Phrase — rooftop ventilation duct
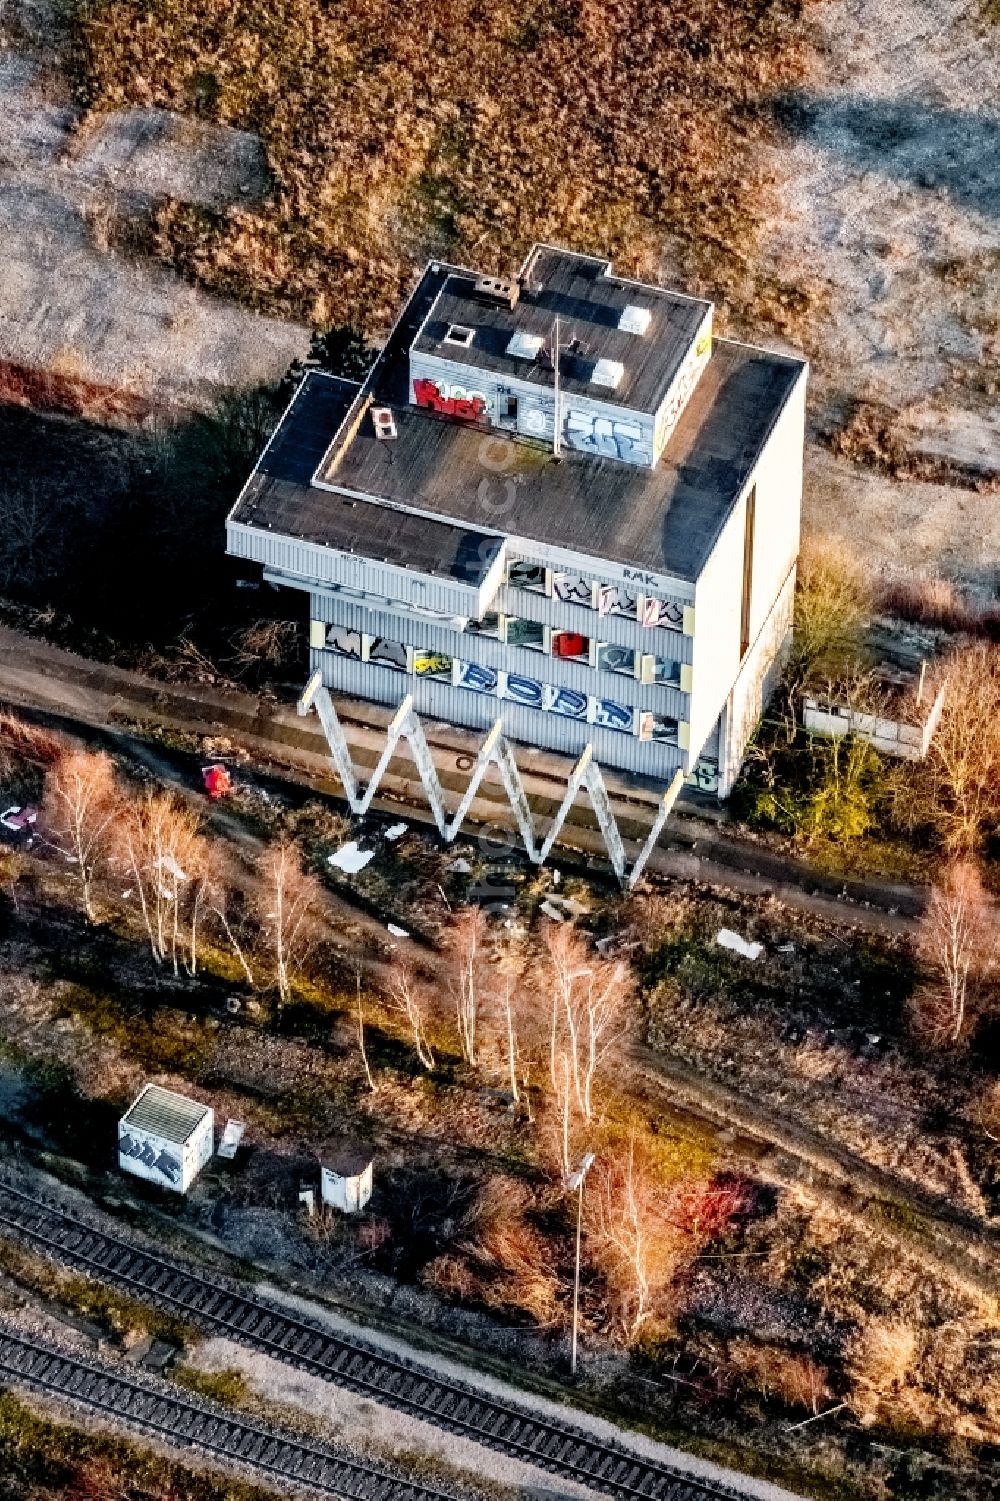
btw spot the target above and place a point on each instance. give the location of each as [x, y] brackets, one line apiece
[525, 346]
[497, 289]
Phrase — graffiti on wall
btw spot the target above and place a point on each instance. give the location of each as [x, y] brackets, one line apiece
[156, 1161]
[663, 612]
[607, 437]
[347, 643]
[572, 589]
[453, 401]
[678, 397]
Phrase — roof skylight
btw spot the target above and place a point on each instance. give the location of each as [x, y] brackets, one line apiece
[607, 373]
[634, 319]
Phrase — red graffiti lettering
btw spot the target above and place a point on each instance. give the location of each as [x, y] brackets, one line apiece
[427, 394]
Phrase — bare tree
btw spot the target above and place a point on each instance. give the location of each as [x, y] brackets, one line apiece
[465, 948]
[637, 1245]
[288, 902]
[588, 999]
[956, 942]
[217, 896]
[80, 804]
[408, 997]
[958, 784]
[159, 834]
[361, 1032]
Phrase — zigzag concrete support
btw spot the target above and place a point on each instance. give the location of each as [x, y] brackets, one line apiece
[495, 750]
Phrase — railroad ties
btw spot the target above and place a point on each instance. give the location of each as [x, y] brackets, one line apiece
[213, 1303]
[150, 1407]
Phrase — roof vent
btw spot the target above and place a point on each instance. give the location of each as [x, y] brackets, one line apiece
[497, 289]
[385, 423]
[607, 373]
[634, 320]
[525, 346]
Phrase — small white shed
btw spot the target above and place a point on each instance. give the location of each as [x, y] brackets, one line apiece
[346, 1179]
[166, 1138]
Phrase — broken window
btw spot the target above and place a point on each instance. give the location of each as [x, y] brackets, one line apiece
[533, 576]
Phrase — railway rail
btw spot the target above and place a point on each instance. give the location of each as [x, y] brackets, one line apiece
[191, 1423]
[213, 1303]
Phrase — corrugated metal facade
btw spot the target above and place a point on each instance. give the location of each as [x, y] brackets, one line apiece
[323, 565]
[659, 698]
[479, 711]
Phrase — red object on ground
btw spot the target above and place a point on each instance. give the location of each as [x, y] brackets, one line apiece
[217, 780]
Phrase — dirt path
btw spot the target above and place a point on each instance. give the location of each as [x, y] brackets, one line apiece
[938, 1235]
[81, 324]
[46, 678]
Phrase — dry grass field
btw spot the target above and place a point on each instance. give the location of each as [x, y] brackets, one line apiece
[627, 129]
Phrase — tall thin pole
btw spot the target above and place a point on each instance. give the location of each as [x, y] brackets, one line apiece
[576, 1278]
[556, 422]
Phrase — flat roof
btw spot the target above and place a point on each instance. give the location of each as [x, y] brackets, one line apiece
[280, 497]
[665, 520]
[159, 1111]
[589, 303]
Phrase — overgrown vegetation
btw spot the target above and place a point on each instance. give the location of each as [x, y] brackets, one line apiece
[51, 1461]
[460, 132]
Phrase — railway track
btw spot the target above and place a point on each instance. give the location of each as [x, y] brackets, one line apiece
[215, 1304]
[151, 1407]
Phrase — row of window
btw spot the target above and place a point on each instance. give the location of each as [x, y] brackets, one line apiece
[529, 692]
[572, 646]
[606, 599]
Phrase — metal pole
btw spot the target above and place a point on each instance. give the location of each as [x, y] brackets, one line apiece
[576, 1278]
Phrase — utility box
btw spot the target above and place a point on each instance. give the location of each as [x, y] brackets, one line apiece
[346, 1181]
[166, 1138]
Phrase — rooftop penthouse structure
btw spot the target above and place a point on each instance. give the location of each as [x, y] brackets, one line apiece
[557, 499]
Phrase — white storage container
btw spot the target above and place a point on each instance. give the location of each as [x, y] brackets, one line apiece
[166, 1138]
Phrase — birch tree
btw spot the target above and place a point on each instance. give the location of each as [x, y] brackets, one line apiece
[588, 998]
[79, 808]
[408, 998]
[957, 944]
[466, 952]
[637, 1246]
[159, 835]
[288, 903]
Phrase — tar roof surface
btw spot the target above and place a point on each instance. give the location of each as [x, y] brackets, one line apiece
[163, 1113]
[589, 303]
[665, 520]
[280, 497]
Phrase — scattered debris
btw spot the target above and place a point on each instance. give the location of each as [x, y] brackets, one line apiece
[786, 948]
[307, 1198]
[396, 832]
[231, 1138]
[234, 1005]
[351, 857]
[552, 911]
[569, 905]
[19, 819]
[460, 867]
[727, 939]
[397, 932]
[217, 781]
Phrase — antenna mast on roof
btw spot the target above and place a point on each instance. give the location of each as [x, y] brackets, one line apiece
[556, 424]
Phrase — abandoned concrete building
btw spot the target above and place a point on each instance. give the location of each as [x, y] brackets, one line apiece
[558, 499]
